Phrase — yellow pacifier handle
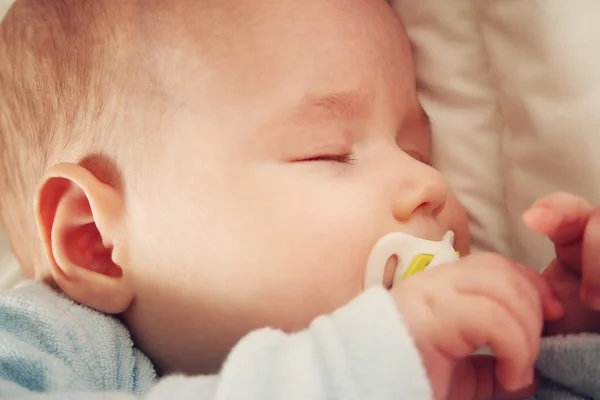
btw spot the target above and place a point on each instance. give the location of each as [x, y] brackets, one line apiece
[419, 263]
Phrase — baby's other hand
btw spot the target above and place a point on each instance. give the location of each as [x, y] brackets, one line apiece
[482, 300]
[574, 228]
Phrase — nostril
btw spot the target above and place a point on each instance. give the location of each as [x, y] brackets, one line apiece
[424, 206]
[430, 207]
[390, 270]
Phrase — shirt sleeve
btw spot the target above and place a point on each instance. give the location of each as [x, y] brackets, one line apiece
[362, 351]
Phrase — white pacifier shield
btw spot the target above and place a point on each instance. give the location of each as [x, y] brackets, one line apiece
[406, 248]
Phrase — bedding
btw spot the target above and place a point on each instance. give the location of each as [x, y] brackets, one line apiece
[513, 90]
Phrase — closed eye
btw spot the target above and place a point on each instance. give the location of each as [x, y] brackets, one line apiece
[347, 158]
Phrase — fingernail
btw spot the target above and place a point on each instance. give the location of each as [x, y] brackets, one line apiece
[533, 214]
[539, 218]
[591, 297]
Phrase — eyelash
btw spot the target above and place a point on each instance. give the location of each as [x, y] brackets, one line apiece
[347, 158]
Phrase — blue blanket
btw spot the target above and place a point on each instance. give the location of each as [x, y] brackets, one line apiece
[570, 366]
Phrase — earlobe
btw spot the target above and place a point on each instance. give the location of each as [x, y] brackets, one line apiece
[79, 220]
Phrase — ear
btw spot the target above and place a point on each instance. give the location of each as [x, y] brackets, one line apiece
[80, 223]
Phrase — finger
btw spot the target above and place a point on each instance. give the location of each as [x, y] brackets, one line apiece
[570, 256]
[590, 288]
[522, 304]
[471, 322]
[515, 294]
[481, 370]
[552, 307]
[480, 273]
[563, 218]
[560, 216]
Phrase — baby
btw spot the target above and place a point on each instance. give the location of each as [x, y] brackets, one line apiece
[216, 173]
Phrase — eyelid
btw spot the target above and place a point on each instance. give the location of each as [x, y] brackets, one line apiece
[336, 146]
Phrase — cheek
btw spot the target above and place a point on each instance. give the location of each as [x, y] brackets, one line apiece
[324, 243]
[315, 226]
[455, 217]
[306, 250]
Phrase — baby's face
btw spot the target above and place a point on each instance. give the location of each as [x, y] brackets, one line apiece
[281, 169]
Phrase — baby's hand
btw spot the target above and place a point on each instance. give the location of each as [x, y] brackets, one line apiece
[482, 300]
[574, 228]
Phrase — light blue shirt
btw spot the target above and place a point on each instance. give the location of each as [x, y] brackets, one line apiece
[52, 348]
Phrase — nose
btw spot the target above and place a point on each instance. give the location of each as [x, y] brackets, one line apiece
[421, 189]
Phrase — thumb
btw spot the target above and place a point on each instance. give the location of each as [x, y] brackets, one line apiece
[480, 372]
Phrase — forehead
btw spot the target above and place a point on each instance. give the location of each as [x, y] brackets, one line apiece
[292, 48]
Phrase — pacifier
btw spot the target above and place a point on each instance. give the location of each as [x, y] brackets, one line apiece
[414, 255]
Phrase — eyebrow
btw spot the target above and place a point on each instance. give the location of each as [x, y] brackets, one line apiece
[344, 105]
[339, 105]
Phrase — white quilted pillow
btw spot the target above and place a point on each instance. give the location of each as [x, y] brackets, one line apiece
[513, 89]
